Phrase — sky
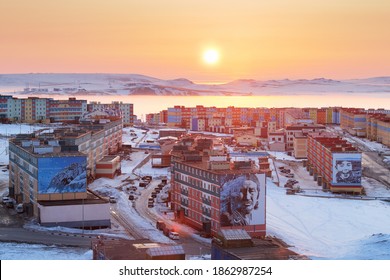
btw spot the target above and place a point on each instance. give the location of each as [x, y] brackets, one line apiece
[167, 39]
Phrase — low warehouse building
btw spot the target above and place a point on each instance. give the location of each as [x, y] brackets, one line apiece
[108, 167]
[92, 212]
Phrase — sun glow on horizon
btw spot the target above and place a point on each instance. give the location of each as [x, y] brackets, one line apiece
[211, 56]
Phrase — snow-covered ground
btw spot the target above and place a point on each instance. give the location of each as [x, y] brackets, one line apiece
[368, 144]
[329, 228]
[23, 251]
[132, 136]
[314, 223]
[137, 84]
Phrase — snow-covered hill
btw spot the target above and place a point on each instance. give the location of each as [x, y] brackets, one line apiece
[134, 84]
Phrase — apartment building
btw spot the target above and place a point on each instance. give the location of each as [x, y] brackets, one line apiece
[67, 110]
[383, 128]
[126, 109]
[296, 116]
[218, 119]
[378, 128]
[34, 109]
[152, 119]
[298, 129]
[211, 192]
[354, 120]
[277, 141]
[300, 145]
[4, 106]
[335, 164]
[56, 166]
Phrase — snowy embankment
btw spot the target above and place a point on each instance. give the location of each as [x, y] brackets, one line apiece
[22, 251]
[329, 228]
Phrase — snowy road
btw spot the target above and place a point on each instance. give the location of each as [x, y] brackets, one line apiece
[374, 169]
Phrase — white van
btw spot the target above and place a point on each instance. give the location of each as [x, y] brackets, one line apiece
[19, 208]
[174, 235]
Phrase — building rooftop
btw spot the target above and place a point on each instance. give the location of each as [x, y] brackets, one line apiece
[165, 251]
[304, 126]
[357, 111]
[335, 144]
[264, 249]
[140, 249]
[204, 153]
[238, 244]
[234, 234]
[108, 158]
[92, 198]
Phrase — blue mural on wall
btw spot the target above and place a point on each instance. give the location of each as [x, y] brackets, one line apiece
[242, 200]
[62, 174]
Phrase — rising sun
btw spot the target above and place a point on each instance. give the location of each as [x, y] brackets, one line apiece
[211, 56]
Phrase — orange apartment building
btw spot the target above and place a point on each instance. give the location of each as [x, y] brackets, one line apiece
[335, 164]
[211, 192]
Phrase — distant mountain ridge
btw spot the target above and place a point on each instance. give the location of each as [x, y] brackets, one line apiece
[136, 84]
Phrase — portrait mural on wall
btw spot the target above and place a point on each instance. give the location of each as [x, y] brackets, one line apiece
[242, 201]
[347, 170]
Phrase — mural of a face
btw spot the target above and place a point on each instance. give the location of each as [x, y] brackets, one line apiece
[344, 166]
[347, 171]
[239, 200]
[248, 199]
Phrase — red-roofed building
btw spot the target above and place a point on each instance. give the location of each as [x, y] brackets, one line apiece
[335, 164]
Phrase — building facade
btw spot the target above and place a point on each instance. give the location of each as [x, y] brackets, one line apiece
[34, 109]
[126, 109]
[292, 130]
[335, 164]
[354, 121]
[210, 192]
[56, 166]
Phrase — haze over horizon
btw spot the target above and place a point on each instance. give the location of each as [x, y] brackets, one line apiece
[203, 41]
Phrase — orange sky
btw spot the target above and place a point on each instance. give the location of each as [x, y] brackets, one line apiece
[165, 39]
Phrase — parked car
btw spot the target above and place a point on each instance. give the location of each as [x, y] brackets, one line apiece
[112, 199]
[154, 194]
[290, 191]
[131, 197]
[147, 178]
[19, 208]
[5, 199]
[150, 204]
[10, 203]
[292, 181]
[174, 235]
[290, 175]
